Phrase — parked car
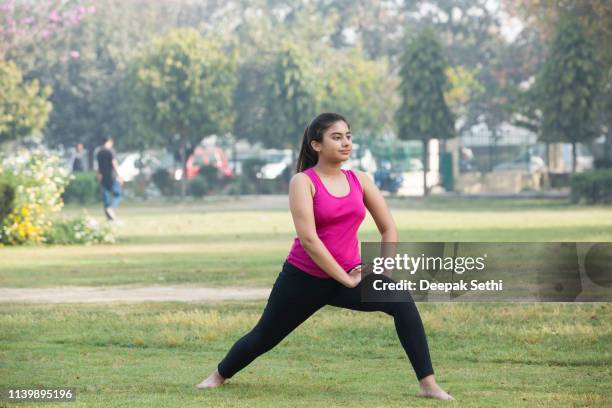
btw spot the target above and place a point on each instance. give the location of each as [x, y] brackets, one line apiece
[131, 164]
[277, 162]
[208, 156]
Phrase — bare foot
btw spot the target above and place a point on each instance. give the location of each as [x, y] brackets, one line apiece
[438, 393]
[431, 389]
[214, 380]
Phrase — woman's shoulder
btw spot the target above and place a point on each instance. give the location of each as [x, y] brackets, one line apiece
[302, 180]
[360, 176]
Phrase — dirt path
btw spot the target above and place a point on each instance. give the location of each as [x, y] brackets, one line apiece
[85, 294]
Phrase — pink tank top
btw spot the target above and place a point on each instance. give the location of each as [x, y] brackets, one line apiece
[337, 220]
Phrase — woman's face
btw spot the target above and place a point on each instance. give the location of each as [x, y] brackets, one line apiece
[337, 143]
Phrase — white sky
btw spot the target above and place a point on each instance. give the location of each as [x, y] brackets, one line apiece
[510, 26]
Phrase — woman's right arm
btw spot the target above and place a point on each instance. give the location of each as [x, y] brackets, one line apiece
[300, 203]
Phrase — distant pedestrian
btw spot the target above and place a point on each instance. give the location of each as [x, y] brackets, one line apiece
[109, 178]
[78, 161]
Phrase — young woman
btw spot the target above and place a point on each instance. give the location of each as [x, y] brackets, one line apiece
[324, 266]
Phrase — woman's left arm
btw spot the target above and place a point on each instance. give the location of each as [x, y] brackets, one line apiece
[376, 205]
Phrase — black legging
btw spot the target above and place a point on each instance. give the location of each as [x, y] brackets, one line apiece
[296, 295]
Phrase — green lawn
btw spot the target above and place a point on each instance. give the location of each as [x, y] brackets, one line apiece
[211, 245]
[151, 354]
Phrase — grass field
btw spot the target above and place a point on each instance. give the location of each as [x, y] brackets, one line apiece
[151, 354]
[213, 246]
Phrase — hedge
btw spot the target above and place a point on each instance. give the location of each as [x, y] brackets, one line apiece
[592, 186]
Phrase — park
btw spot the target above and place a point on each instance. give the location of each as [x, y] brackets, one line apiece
[191, 193]
[149, 353]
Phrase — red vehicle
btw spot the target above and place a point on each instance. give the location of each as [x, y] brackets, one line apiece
[208, 156]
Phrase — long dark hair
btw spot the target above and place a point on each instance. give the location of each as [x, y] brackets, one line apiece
[314, 131]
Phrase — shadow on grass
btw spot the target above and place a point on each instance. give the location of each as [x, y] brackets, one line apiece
[520, 233]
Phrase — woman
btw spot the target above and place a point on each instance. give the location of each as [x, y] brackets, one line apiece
[324, 266]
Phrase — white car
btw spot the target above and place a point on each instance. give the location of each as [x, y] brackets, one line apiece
[279, 160]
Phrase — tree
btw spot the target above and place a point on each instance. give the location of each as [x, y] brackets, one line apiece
[182, 90]
[341, 79]
[423, 114]
[358, 88]
[568, 87]
[24, 25]
[596, 19]
[290, 101]
[83, 59]
[24, 107]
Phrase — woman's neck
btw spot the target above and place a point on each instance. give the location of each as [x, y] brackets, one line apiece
[328, 169]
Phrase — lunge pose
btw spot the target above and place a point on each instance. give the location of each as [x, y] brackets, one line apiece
[328, 204]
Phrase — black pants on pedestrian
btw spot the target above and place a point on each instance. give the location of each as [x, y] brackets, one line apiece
[296, 296]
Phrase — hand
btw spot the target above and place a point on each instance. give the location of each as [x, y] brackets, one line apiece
[120, 180]
[355, 276]
[98, 177]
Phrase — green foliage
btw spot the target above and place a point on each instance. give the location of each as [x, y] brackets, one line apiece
[423, 113]
[24, 107]
[592, 186]
[198, 186]
[209, 173]
[39, 182]
[85, 64]
[182, 86]
[163, 181]
[567, 87]
[248, 183]
[241, 185]
[358, 88]
[464, 86]
[83, 189]
[290, 101]
[252, 166]
[79, 230]
[7, 195]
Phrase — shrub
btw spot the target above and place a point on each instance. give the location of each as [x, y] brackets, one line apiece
[39, 182]
[7, 195]
[198, 186]
[83, 189]
[592, 186]
[210, 174]
[163, 181]
[252, 166]
[79, 230]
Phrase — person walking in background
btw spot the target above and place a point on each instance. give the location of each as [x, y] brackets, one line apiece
[109, 178]
[78, 161]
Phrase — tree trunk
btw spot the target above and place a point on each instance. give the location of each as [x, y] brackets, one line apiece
[425, 165]
[490, 155]
[494, 150]
[90, 158]
[607, 156]
[183, 153]
[573, 157]
[236, 191]
[293, 161]
[234, 157]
